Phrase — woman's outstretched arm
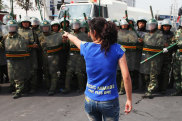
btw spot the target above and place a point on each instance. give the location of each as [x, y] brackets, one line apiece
[72, 38]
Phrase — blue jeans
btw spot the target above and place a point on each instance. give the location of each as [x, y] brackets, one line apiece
[98, 110]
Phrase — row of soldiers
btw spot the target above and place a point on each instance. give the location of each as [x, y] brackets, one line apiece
[36, 51]
[144, 42]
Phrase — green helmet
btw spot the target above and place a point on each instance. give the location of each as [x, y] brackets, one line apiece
[12, 26]
[35, 21]
[166, 22]
[123, 22]
[152, 24]
[6, 18]
[76, 24]
[45, 24]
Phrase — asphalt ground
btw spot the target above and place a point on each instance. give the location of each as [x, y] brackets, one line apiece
[70, 107]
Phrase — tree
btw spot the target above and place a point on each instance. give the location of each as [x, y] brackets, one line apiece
[27, 4]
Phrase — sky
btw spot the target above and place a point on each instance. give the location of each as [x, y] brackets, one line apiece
[159, 6]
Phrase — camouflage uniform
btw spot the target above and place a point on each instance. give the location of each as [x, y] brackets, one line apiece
[153, 43]
[76, 64]
[178, 64]
[166, 67]
[17, 53]
[31, 38]
[52, 48]
[128, 40]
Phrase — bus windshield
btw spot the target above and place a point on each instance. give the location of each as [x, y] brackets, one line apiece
[76, 11]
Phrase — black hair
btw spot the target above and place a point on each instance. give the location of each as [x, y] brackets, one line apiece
[105, 30]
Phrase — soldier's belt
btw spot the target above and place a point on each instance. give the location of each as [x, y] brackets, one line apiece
[152, 50]
[180, 50]
[17, 55]
[30, 46]
[75, 49]
[129, 47]
[54, 50]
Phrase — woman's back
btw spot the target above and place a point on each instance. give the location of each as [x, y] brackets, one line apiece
[101, 70]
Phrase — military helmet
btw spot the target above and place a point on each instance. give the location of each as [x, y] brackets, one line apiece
[45, 23]
[55, 22]
[76, 24]
[141, 19]
[25, 19]
[123, 22]
[152, 24]
[12, 26]
[116, 22]
[166, 22]
[6, 18]
[35, 21]
[131, 19]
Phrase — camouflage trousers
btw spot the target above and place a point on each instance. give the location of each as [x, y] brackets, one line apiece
[120, 81]
[76, 65]
[18, 73]
[164, 75]
[177, 72]
[149, 82]
[51, 72]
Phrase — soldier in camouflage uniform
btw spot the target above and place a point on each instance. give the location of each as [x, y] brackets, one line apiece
[29, 36]
[177, 72]
[6, 18]
[55, 26]
[35, 26]
[166, 67]
[153, 42]
[141, 30]
[17, 53]
[76, 63]
[128, 40]
[52, 47]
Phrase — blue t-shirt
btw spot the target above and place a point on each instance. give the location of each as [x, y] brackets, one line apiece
[101, 70]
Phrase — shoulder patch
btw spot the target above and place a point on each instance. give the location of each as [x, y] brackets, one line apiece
[123, 48]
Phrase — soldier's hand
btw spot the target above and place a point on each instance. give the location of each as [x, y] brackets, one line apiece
[140, 40]
[35, 46]
[165, 50]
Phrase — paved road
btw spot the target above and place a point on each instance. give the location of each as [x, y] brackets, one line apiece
[41, 107]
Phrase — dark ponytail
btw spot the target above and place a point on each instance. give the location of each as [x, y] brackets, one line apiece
[106, 31]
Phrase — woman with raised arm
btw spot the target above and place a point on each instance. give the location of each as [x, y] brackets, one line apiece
[102, 57]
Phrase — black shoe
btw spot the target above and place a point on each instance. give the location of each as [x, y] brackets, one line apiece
[65, 91]
[51, 93]
[176, 93]
[16, 95]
